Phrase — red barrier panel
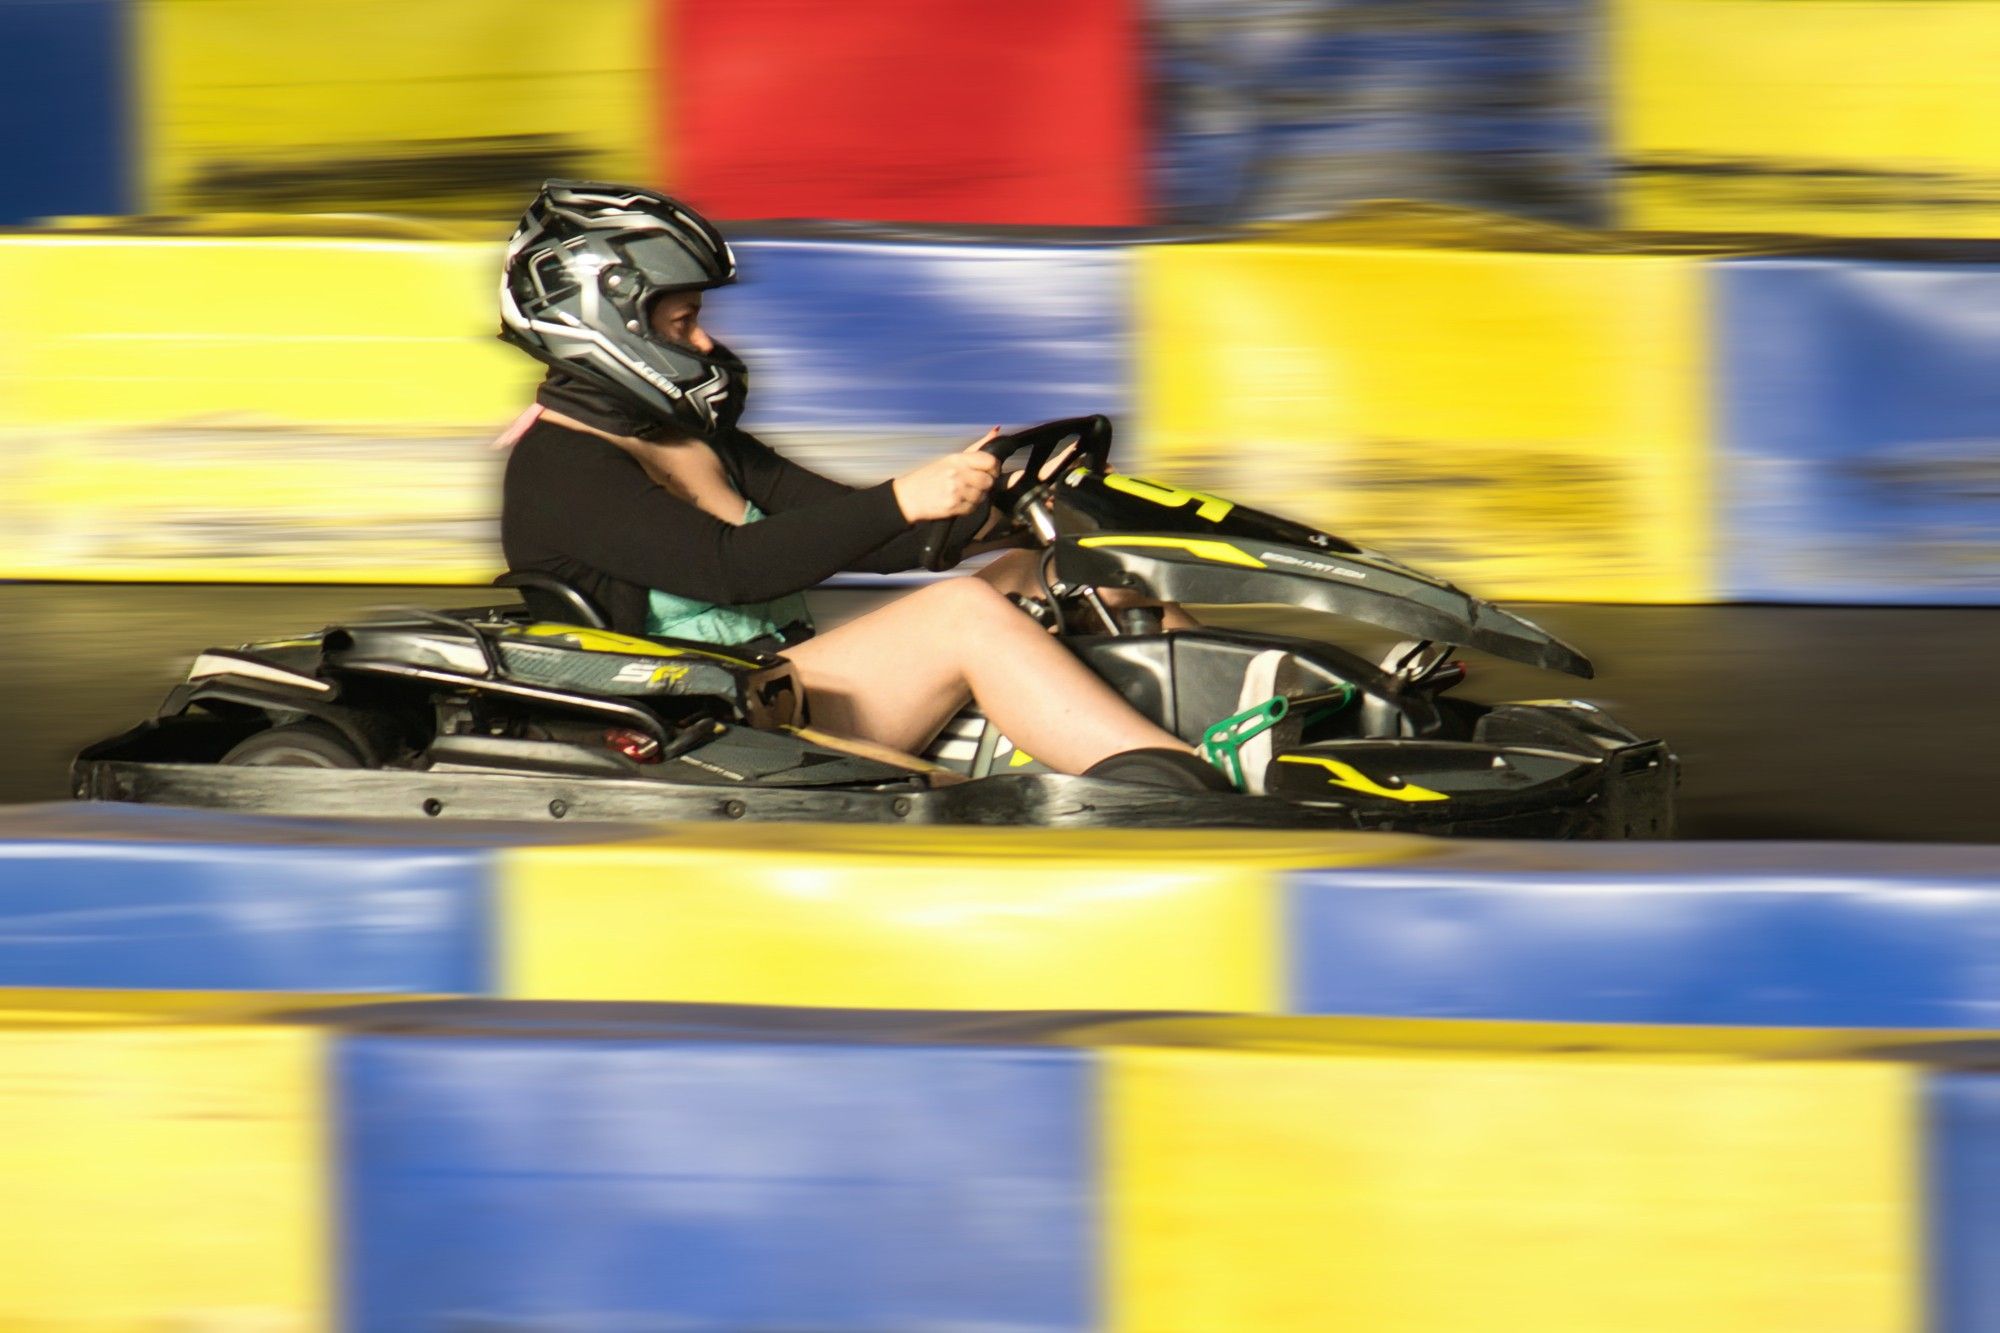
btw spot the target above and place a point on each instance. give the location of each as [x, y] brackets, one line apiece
[906, 110]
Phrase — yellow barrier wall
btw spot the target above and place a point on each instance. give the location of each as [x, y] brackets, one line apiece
[158, 1175]
[903, 918]
[1533, 425]
[454, 106]
[1840, 117]
[1430, 1194]
[248, 408]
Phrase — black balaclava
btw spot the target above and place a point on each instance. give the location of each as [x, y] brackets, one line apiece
[598, 407]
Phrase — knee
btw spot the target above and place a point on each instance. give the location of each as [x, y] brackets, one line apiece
[1013, 572]
[968, 601]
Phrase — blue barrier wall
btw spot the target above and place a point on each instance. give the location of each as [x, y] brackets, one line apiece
[1859, 415]
[713, 1177]
[1739, 934]
[866, 335]
[1963, 1178]
[155, 898]
[65, 91]
[1304, 107]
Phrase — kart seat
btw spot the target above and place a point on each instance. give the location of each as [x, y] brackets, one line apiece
[546, 594]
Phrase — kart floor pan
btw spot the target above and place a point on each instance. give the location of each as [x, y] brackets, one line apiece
[1042, 800]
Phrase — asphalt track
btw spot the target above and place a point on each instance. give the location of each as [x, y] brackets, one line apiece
[1791, 722]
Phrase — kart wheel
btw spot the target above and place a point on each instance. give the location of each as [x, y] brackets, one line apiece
[296, 745]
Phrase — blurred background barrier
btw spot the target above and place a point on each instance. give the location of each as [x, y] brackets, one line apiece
[871, 357]
[1573, 415]
[1534, 424]
[66, 94]
[1859, 429]
[266, 1162]
[437, 106]
[1827, 117]
[252, 409]
[1299, 108]
[1770, 935]
[1029, 112]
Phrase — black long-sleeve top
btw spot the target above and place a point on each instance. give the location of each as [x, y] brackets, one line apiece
[577, 506]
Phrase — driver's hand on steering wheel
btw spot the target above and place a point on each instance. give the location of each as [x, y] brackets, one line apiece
[949, 486]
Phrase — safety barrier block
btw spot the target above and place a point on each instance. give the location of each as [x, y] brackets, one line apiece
[867, 334]
[165, 417]
[111, 896]
[65, 96]
[1285, 111]
[1533, 424]
[560, 1167]
[1771, 936]
[449, 106]
[1860, 420]
[159, 1173]
[1810, 116]
[1430, 1191]
[970, 918]
[911, 112]
[298, 332]
[1962, 1173]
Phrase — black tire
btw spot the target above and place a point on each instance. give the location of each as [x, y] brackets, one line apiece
[297, 745]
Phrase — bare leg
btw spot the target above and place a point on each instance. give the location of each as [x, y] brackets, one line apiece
[1015, 572]
[896, 675]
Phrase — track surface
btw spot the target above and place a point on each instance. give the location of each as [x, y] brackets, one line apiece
[1791, 722]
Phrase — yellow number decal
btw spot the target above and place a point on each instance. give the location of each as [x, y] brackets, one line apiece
[1213, 508]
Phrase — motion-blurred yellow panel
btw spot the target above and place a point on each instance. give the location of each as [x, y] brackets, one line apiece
[163, 1177]
[427, 106]
[248, 506]
[912, 918]
[1845, 117]
[246, 408]
[1531, 424]
[1436, 1195]
[245, 331]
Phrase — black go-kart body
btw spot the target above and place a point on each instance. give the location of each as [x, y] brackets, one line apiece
[536, 711]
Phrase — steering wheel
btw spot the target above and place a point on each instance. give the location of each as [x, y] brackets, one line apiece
[1093, 450]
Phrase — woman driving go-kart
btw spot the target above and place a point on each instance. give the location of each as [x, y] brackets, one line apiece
[635, 485]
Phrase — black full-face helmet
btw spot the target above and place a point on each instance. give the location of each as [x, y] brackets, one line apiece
[582, 270]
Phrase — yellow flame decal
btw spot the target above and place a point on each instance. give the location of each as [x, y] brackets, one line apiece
[1220, 552]
[1352, 778]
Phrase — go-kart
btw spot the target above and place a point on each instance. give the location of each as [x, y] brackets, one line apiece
[536, 710]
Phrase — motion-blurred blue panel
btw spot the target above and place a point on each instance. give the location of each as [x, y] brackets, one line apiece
[1962, 1231]
[220, 915]
[1860, 422]
[65, 90]
[1302, 108]
[1773, 935]
[608, 1182]
[861, 335]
